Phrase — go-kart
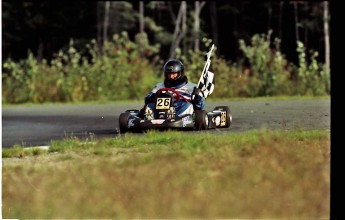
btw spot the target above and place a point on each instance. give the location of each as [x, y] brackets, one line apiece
[162, 115]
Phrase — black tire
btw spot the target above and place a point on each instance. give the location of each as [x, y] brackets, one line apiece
[228, 114]
[201, 120]
[123, 122]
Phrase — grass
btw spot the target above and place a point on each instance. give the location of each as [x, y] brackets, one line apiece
[256, 174]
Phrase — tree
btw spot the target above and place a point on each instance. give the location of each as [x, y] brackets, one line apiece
[197, 7]
[178, 35]
[114, 17]
[99, 25]
[141, 16]
[106, 20]
[214, 22]
[281, 5]
[45, 27]
[326, 19]
[295, 5]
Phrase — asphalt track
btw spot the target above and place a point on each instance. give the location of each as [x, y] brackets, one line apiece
[37, 125]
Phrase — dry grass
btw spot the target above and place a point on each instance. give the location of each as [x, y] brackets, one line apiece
[254, 175]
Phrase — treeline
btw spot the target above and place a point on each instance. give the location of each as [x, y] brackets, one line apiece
[128, 69]
[45, 27]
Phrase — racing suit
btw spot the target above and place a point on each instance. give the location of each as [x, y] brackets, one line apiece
[182, 106]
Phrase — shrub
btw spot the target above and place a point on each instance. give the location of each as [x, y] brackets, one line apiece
[312, 77]
[268, 66]
[122, 69]
[125, 69]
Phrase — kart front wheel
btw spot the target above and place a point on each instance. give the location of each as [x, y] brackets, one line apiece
[123, 122]
[201, 120]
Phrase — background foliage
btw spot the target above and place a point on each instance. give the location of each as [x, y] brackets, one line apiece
[86, 51]
[127, 69]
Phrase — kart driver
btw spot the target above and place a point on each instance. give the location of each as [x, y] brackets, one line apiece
[175, 78]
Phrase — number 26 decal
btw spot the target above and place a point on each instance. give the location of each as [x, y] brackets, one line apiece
[163, 103]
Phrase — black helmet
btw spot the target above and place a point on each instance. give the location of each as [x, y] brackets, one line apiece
[173, 66]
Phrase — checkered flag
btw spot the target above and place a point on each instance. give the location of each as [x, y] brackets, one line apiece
[206, 81]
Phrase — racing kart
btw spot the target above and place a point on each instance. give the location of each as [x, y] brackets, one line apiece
[163, 116]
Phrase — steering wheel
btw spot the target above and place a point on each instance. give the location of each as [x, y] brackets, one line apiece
[176, 94]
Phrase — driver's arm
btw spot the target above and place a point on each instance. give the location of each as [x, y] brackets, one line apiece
[150, 98]
[152, 95]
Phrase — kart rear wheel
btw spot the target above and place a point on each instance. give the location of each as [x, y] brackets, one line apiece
[228, 114]
[201, 120]
[123, 122]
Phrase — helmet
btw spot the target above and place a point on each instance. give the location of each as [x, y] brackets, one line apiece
[173, 66]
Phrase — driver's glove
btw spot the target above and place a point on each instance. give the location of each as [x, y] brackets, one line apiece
[197, 100]
[150, 98]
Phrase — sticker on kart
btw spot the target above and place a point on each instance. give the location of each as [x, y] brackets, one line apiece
[185, 121]
[157, 121]
[163, 103]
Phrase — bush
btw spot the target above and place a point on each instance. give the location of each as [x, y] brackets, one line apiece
[122, 70]
[125, 69]
[312, 77]
[269, 70]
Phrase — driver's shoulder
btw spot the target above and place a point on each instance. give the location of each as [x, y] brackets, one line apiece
[190, 86]
[160, 85]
